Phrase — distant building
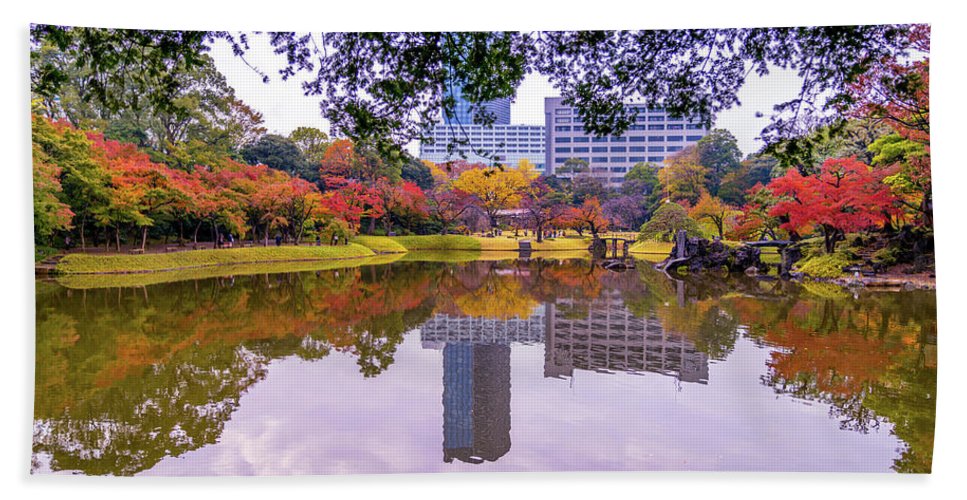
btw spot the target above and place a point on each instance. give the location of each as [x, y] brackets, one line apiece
[498, 109]
[500, 142]
[653, 137]
[504, 144]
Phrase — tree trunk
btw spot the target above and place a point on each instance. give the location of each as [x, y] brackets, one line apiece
[197, 228]
[372, 225]
[144, 237]
[830, 237]
[117, 238]
[926, 207]
[83, 242]
[540, 233]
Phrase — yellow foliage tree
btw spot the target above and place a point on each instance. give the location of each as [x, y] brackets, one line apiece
[439, 175]
[496, 189]
[720, 214]
[682, 178]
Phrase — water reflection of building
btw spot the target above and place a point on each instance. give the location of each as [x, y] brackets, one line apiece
[444, 328]
[476, 380]
[476, 402]
[601, 335]
[604, 335]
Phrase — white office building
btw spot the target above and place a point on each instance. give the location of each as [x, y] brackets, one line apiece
[653, 137]
[503, 143]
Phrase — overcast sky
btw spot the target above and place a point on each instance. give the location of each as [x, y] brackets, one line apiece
[285, 107]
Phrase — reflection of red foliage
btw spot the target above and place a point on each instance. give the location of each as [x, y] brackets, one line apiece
[336, 309]
[833, 346]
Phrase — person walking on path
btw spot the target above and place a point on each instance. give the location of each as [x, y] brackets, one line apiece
[278, 239]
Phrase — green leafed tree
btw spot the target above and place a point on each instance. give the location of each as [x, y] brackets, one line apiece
[667, 221]
[719, 153]
[280, 153]
[312, 142]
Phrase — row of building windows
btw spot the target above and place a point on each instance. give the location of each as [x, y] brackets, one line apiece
[670, 126]
[659, 138]
[567, 119]
[559, 160]
[651, 126]
[616, 149]
[428, 150]
[635, 109]
[488, 133]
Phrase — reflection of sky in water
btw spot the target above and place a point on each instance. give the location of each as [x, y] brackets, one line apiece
[323, 418]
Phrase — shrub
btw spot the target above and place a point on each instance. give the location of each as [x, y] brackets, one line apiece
[825, 266]
[667, 221]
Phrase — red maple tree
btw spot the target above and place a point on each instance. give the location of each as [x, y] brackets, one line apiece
[846, 196]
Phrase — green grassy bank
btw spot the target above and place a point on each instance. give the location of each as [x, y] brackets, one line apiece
[127, 280]
[394, 244]
[92, 263]
[189, 262]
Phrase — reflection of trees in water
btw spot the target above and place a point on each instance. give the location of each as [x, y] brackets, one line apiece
[127, 376]
[872, 358]
[175, 407]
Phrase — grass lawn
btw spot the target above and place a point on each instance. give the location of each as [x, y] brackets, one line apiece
[509, 243]
[380, 244]
[87, 263]
[651, 247]
[436, 242]
[386, 244]
[127, 280]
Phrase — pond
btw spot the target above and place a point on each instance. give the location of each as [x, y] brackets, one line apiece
[513, 365]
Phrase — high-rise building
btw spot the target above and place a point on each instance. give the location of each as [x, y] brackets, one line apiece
[504, 144]
[498, 109]
[500, 142]
[655, 135]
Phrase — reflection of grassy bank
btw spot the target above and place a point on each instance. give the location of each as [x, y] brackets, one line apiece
[119, 280]
[88, 263]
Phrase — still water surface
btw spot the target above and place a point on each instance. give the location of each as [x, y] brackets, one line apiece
[538, 365]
